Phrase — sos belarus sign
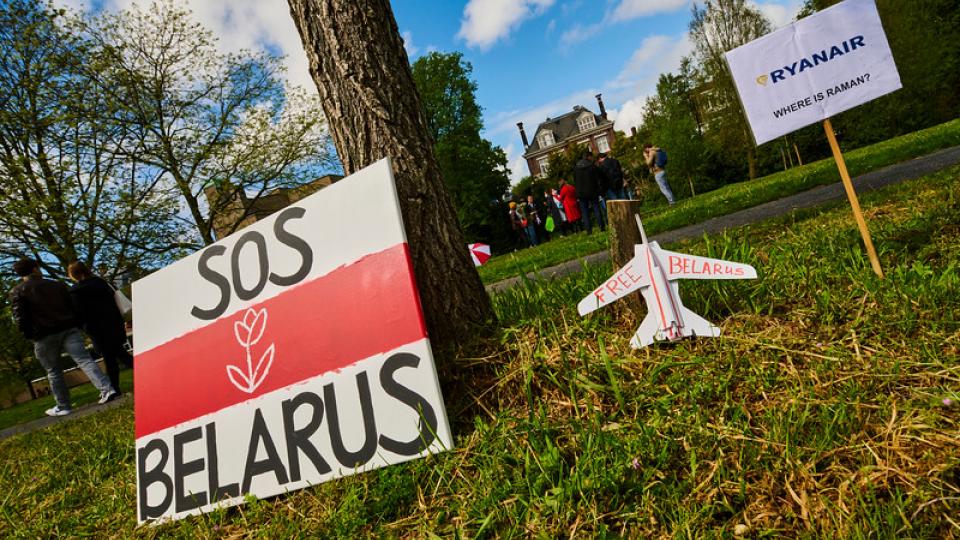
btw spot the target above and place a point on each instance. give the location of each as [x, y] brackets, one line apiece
[813, 69]
[290, 353]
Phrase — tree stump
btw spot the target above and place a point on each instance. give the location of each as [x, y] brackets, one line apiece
[624, 235]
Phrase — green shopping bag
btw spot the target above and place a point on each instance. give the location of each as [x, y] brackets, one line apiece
[549, 226]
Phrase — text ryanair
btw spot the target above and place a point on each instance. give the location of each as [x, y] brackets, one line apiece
[814, 60]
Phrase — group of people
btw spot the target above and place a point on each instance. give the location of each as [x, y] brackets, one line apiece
[578, 206]
[51, 315]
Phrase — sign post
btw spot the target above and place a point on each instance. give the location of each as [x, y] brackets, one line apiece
[852, 195]
[811, 70]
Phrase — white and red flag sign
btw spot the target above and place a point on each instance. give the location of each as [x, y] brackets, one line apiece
[288, 354]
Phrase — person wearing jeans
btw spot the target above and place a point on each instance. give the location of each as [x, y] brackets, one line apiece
[44, 314]
[656, 159]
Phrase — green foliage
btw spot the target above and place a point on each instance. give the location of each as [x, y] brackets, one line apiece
[70, 191]
[474, 170]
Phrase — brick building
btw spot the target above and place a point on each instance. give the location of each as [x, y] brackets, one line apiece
[261, 207]
[580, 126]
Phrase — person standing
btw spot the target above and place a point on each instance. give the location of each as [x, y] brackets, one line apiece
[588, 181]
[568, 198]
[533, 220]
[518, 224]
[99, 316]
[613, 173]
[656, 159]
[44, 314]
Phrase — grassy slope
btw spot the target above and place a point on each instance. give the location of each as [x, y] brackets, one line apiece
[732, 198]
[79, 396]
[819, 413]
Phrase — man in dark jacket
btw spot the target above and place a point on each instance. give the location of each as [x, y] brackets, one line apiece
[613, 173]
[43, 311]
[588, 180]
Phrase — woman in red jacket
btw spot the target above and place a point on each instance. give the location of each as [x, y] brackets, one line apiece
[568, 197]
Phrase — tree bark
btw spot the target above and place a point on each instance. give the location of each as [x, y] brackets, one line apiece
[624, 235]
[361, 70]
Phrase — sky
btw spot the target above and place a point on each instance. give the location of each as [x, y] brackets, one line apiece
[532, 59]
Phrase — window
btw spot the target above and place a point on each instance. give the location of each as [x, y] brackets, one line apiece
[546, 139]
[544, 164]
[586, 122]
[602, 144]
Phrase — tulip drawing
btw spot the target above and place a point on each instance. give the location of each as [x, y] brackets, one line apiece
[248, 332]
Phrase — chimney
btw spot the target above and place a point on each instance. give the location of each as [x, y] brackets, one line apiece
[523, 135]
[633, 131]
[603, 110]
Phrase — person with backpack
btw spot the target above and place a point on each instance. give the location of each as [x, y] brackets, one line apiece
[613, 172]
[656, 159]
[44, 314]
[96, 307]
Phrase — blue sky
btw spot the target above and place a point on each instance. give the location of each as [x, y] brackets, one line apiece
[532, 59]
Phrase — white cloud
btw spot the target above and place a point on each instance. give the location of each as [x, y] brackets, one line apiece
[412, 49]
[629, 115]
[633, 9]
[638, 78]
[240, 24]
[486, 22]
[579, 33]
[625, 10]
[780, 13]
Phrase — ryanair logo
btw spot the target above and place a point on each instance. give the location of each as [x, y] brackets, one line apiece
[812, 61]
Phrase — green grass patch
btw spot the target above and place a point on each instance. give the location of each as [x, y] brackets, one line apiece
[84, 394]
[730, 198]
[818, 413]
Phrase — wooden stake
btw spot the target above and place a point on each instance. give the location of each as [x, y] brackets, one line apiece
[797, 150]
[852, 195]
[624, 235]
[782, 155]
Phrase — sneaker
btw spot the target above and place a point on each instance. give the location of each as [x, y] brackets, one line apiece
[109, 397]
[57, 411]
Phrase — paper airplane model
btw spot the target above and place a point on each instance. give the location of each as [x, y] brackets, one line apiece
[654, 271]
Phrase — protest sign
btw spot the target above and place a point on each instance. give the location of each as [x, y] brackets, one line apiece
[808, 71]
[813, 69]
[290, 353]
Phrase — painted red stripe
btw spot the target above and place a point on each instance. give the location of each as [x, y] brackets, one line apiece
[352, 313]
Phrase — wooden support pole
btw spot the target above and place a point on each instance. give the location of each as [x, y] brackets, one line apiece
[797, 150]
[784, 156]
[624, 235]
[852, 195]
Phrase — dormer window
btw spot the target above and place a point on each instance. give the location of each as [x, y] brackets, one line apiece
[546, 139]
[586, 122]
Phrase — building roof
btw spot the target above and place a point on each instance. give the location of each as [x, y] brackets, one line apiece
[564, 127]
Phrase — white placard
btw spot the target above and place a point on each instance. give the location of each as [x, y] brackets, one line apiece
[813, 69]
[290, 353]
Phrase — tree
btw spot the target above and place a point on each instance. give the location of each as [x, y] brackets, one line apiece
[474, 170]
[17, 362]
[67, 192]
[366, 87]
[717, 27]
[217, 126]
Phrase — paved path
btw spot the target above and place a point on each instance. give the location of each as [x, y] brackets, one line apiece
[907, 170]
[78, 412]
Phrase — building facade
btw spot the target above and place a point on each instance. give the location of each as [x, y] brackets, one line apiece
[253, 210]
[578, 127]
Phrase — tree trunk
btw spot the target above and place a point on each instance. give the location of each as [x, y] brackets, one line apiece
[361, 70]
[624, 235]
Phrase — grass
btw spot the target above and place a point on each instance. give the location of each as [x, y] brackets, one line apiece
[819, 413]
[731, 198]
[84, 394]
